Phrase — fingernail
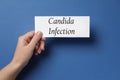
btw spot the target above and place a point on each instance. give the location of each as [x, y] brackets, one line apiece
[43, 38]
[38, 33]
[39, 51]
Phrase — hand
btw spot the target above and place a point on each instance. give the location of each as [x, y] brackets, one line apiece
[28, 44]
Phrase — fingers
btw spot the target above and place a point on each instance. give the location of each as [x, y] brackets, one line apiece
[41, 47]
[29, 35]
[36, 38]
[35, 41]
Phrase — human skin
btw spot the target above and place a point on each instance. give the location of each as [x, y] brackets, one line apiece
[28, 44]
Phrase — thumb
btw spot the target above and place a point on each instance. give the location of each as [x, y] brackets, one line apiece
[35, 39]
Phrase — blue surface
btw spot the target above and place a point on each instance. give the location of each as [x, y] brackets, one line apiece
[97, 58]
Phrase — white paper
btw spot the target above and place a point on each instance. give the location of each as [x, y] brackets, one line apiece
[63, 26]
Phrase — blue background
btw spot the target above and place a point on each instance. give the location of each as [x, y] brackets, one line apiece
[96, 58]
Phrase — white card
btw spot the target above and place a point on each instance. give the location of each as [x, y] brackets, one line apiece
[63, 26]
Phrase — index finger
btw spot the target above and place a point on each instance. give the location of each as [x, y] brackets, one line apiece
[29, 35]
